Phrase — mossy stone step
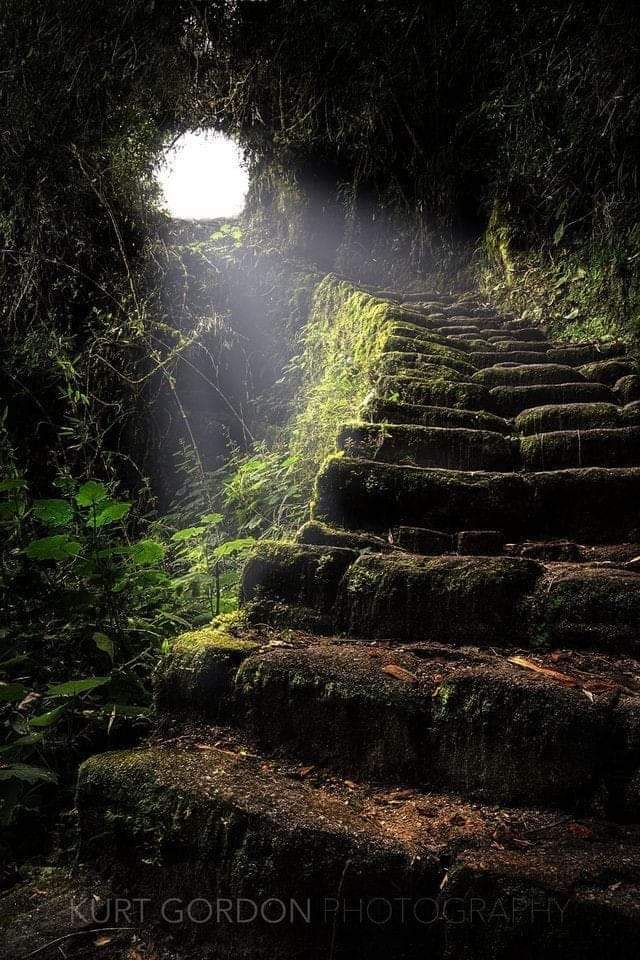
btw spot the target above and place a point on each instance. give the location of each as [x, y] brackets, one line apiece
[581, 448]
[429, 352]
[490, 601]
[489, 358]
[202, 825]
[199, 825]
[425, 367]
[197, 675]
[454, 448]
[627, 389]
[411, 331]
[320, 534]
[468, 721]
[526, 375]
[436, 393]
[578, 353]
[389, 411]
[520, 328]
[508, 345]
[510, 401]
[608, 371]
[592, 505]
[568, 416]
[295, 575]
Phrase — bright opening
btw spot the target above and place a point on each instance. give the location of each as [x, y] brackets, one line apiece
[203, 176]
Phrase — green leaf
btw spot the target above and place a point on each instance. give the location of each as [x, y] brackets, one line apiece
[59, 547]
[212, 519]
[22, 771]
[55, 513]
[49, 718]
[147, 552]
[10, 510]
[74, 688]
[27, 741]
[104, 643]
[9, 485]
[125, 710]
[559, 234]
[91, 493]
[188, 533]
[112, 512]
[230, 547]
[10, 692]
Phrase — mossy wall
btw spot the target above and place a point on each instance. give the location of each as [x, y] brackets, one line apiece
[342, 346]
[588, 289]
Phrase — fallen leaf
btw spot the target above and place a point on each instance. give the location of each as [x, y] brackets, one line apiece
[102, 941]
[544, 671]
[579, 830]
[399, 673]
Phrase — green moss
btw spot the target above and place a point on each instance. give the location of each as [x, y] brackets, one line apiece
[572, 416]
[196, 676]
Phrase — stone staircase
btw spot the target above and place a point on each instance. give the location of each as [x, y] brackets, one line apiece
[422, 737]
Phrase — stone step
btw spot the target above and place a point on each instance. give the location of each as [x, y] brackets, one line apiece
[411, 331]
[561, 730]
[403, 348]
[484, 600]
[315, 533]
[527, 375]
[568, 416]
[429, 366]
[592, 505]
[627, 389]
[489, 358]
[503, 344]
[454, 448]
[339, 870]
[389, 411]
[494, 601]
[511, 401]
[578, 353]
[438, 393]
[298, 580]
[608, 371]
[580, 448]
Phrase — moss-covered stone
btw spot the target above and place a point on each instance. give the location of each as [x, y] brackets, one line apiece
[569, 416]
[196, 675]
[527, 375]
[475, 600]
[431, 364]
[510, 401]
[470, 722]
[389, 411]
[320, 534]
[491, 358]
[203, 826]
[608, 371]
[627, 389]
[589, 606]
[506, 344]
[437, 393]
[578, 353]
[581, 448]
[453, 448]
[423, 541]
[590, 505]
[294, 575]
